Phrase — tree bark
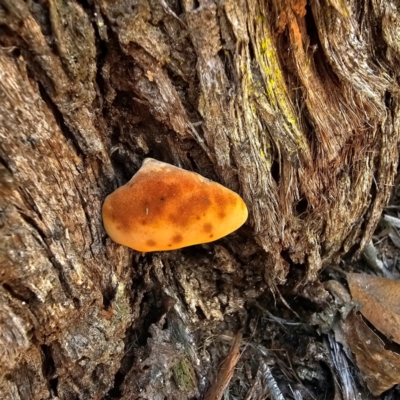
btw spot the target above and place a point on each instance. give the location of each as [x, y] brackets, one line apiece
[292, 104]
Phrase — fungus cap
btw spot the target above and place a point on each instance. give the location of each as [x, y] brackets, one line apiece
[164, 207]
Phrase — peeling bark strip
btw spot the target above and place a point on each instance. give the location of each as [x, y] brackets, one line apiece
[216, 391]
[292, 104]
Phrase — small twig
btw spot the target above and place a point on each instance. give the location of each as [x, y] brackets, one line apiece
[216, 391]
[393, 221]
[296, 394]
[370, 255]
[270, 380]
[343, 370]
[266, 373]
[274, 290]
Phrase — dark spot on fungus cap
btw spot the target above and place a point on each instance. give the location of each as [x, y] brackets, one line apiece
[177, 238]
[207, 227]
[161, 200]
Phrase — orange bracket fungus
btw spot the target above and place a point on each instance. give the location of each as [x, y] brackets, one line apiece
[164, 207]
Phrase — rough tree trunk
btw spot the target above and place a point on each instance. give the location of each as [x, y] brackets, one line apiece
[295, 106]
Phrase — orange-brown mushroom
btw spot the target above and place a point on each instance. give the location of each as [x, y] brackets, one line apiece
[164, 207]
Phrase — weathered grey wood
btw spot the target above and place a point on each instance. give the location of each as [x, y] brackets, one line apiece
[295, 107]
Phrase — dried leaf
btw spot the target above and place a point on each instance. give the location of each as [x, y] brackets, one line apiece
[380, 298]
[380, 368]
